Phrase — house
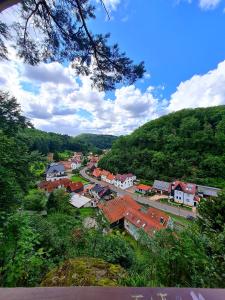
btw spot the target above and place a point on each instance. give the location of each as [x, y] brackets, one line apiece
[150, 221]
[99, 191]
[97, 173]
[50, 186]
[143, 189]
[78, 155]
[55, 171]
[110, 178]
[184, 193]
[66, 164]
[91, 167]
[75, 163]
[104, 175]
[79, 201]
[75, 187]
[207, 191]
[161, 186]
[115, 209]
[128, 214]
[124, 181]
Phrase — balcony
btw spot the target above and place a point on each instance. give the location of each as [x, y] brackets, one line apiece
[98, 293]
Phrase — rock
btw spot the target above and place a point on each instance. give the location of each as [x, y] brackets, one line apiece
[85, 271]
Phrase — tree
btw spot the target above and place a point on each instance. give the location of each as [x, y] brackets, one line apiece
[59, 201]
[63, 35]
[35, 200]
[11, 119]
[22, 260]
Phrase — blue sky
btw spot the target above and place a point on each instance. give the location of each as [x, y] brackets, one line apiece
[182, 43]
[175, 39]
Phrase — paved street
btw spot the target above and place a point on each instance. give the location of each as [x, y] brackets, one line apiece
[141, 199]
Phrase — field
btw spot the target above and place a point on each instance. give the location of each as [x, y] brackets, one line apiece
[78, 178]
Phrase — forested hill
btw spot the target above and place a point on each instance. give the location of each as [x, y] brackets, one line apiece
[188, 144]
[46, 142]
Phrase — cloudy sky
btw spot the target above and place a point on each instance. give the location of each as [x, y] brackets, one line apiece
[182, 43]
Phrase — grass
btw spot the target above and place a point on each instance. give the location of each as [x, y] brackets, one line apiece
[87, 211]
[180, 220]
[78, 178]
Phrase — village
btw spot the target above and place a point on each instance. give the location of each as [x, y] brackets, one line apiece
[122, 199]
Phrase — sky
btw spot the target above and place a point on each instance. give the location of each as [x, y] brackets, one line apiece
[182, 43]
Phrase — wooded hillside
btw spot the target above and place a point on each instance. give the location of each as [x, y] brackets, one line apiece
[188, 144]
[45, 142]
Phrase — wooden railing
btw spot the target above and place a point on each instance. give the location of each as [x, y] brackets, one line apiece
[98, 293]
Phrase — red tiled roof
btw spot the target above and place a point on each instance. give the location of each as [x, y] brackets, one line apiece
[189, 188]
[110, 176]
[143, 187]
[52, 185]
[123, 177]
[156, 215]
[142, 220]
[75, 186]
[105, 173]
[97, 172]
[114, 209]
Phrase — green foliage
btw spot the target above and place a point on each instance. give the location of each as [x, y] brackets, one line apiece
[62, 145]
[59, 201]
[22, 257]
[11, 119]
[188, 144]
[35, 200]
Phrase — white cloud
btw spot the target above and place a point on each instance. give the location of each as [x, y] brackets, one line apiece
[203, 4]
[209, 4]
[201, 90]
[55, 100]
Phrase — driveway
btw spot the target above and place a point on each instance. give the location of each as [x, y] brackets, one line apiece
[141, 199]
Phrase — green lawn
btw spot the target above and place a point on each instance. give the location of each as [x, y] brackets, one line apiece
[180, 220]
[76, 178]
[87, 211]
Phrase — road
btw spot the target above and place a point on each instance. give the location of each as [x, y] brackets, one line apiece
[141, 199]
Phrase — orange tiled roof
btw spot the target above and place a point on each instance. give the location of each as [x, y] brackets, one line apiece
[110, 176]
[97, 172]
[75, 186]
[143, 187]
[143, 221]
[157, 214]
[114, 209]
[105, 173]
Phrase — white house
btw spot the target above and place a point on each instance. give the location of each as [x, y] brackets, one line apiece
[104, 175]
[55, 171]
[184, 193]
[75, 164]
[124, 181]
[110, 179]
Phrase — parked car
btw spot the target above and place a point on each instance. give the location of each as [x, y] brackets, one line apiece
[190, 218]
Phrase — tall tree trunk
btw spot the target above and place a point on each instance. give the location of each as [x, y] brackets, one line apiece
[4, 4]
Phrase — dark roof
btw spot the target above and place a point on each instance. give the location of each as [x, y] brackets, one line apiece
[161, 185]
[208, 191]
[97, 188]
[55, 167]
